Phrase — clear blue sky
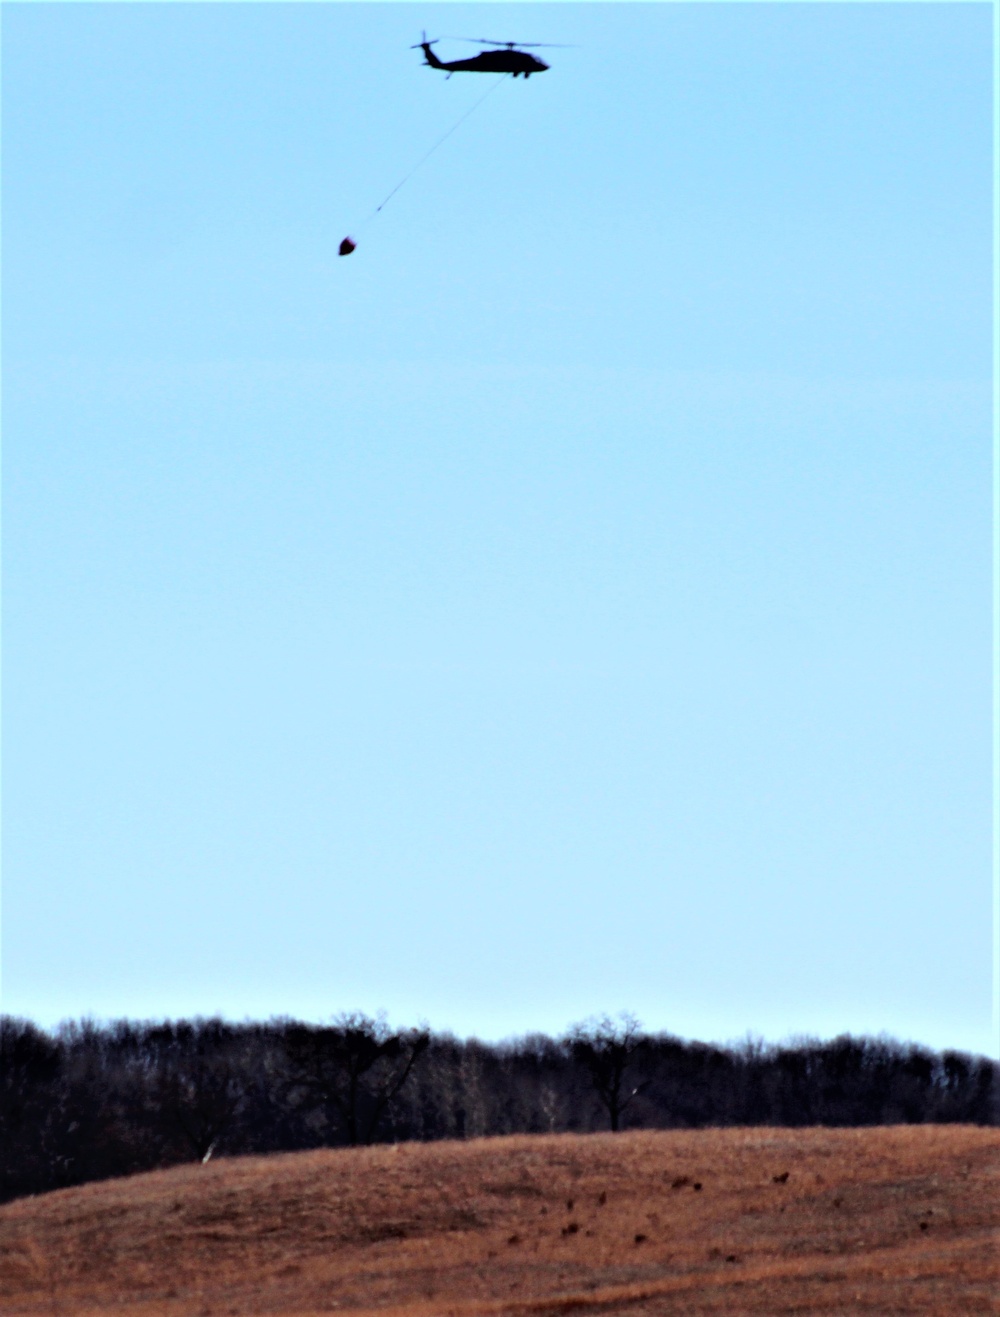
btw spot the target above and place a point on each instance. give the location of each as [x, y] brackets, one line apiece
[578, 598]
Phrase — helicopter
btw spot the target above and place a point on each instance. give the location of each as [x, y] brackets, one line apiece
[508, 57]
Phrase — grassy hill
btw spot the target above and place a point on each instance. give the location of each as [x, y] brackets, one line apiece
[879, 1220]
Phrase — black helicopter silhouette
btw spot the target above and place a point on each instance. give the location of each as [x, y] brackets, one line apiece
[508, 58]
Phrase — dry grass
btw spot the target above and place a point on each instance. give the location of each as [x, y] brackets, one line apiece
[879, 1221]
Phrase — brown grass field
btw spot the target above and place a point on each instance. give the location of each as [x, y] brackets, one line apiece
[891, 1220]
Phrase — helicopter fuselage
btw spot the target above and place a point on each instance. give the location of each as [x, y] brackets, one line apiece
[490, 61]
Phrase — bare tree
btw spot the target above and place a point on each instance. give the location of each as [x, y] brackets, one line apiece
[199, 1083]
[606, 1049]
[352, 1069]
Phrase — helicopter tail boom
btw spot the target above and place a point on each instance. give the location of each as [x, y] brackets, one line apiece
[429, 56]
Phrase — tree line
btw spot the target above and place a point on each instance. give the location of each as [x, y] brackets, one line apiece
[89, 1101]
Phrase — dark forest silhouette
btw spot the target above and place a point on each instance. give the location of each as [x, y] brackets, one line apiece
[91, 1101]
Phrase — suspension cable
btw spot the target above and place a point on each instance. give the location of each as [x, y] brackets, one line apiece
[427, 155]
[440, 142]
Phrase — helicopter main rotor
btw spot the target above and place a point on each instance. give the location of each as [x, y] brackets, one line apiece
[511, 45]
[497, 45]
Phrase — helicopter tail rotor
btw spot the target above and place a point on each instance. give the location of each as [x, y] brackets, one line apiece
[429, 57]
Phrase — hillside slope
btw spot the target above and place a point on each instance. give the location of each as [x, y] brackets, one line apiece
[887, 1220]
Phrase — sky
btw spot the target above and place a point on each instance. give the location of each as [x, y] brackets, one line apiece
[575, 600]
